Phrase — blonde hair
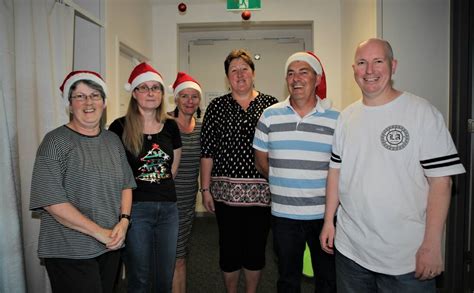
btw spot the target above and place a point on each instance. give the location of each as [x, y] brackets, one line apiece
[133, 129]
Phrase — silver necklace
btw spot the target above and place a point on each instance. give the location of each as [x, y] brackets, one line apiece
[149, 137]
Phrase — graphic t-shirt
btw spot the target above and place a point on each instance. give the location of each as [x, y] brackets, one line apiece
[152, 167]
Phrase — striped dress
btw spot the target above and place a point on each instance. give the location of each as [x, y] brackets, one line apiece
[186, 182]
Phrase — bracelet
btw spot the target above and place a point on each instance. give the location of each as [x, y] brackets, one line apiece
[203, 189]
[126, 217]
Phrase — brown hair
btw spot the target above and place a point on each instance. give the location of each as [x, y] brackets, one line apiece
[238, 53]
[133, 129]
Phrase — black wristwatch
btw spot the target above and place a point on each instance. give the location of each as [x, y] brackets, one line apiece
[126, 217]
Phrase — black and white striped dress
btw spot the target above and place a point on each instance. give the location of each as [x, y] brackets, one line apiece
[186, 183]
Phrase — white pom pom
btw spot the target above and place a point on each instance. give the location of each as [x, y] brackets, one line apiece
[326, 103]
[128, 87]
[170, 89]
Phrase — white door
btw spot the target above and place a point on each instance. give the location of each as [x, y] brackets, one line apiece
[127, 60]
[206, 64]
[126, 65]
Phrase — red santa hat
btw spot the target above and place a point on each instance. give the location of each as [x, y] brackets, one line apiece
[185, 81]
[141, 73]
[315, 63]
[78, 75]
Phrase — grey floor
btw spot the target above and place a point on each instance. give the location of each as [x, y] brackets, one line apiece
[203, 263]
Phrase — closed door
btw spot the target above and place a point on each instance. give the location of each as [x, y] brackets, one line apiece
[206, 64]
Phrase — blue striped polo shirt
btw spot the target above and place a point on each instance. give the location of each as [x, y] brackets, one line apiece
[299, 150]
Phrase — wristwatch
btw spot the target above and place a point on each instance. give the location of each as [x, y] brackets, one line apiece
[126, 217]
[203, 189]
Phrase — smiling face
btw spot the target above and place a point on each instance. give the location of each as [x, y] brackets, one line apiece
[86, 113]
[240, 76]
[187, 101]
[373, 68]
[302, 81]
[148, 95]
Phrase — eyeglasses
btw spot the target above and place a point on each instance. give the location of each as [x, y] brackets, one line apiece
[193, 97]
[81, 98]
[144, 89]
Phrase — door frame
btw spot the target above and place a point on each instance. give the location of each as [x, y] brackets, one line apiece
[225, 31]
[459, 275]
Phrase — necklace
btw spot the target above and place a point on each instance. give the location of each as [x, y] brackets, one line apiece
[149, 137]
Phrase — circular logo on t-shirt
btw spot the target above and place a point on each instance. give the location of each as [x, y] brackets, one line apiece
[395, 137]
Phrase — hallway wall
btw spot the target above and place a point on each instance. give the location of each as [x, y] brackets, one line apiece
[128, 22]
[324, 14]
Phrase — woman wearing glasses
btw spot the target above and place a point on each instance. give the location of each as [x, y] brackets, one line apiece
[82, 187]
[153, 146]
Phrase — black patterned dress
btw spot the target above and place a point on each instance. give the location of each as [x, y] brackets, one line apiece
[227, 137]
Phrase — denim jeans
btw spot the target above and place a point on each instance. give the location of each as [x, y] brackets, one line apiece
[150, 251]
[353, 278]
[289, 242]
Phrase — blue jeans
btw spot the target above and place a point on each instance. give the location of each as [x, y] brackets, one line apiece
[150, 251]
[353, 278]
[289, 242]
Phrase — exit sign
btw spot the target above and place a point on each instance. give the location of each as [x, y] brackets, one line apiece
[243, 5]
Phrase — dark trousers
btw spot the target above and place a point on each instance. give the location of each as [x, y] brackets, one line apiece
[243, 233]
[289, 242]
[353, 278]
[95, 275]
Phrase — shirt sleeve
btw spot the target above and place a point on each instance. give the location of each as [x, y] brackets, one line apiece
[47, 178]
[210, 133]
[128, 178]
[337, 145]
[175, 134]
[117, 128]
[260, 140]
[438, 154]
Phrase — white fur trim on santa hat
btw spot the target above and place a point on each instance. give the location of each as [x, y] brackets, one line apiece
[325, 103]
[187, 85]
[146, 76]
[81, 76]
[306, 57]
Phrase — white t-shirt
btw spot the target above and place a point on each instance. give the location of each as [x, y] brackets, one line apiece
[385, 154]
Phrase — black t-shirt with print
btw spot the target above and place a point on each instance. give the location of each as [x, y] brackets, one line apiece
[152, 167]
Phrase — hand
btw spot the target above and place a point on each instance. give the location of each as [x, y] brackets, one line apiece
[429, 263]
[326, 238]
[103, 235]
[118, 235]
[208, 201]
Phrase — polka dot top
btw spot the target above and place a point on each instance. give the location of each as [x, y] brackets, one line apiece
[227, 135]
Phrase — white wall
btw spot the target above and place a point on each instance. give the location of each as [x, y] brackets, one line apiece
[325, 15]
[359, 22]
[418, 31]
[129, 22]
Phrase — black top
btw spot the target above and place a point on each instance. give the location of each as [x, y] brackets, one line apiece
[152, 167]
[227, 135]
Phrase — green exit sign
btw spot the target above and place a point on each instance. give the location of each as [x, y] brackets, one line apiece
[243, 4]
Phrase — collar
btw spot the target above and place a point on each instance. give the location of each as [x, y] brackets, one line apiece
[321, 106]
